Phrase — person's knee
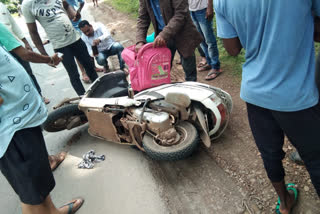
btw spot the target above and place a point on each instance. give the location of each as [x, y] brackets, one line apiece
[101, 60]
[118, 47]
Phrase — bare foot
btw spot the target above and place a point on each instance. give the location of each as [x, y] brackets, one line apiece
[213, 73]
[56, 160]
[73, 206]
[85, 79]
[203, 62]
[46, 100]
[285, 207]
[99, 69]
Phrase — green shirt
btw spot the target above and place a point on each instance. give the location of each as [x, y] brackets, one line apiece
[7, 39]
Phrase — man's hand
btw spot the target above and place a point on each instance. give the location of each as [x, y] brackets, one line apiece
[26, 44]
[138, 46]
[96, 42]
[159, 42]
[209, 13]
[1, 100]
[77, 16]
[55, 60]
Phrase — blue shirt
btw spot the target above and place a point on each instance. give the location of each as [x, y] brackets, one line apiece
[279, 72]
[76, 5]
[22, 107]
[157, 13]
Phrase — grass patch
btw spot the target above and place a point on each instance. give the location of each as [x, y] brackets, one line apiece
[126, 6]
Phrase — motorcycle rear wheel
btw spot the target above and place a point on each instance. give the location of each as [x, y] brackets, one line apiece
[60, 118]
[184, 148]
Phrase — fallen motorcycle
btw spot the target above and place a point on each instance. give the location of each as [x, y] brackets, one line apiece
[166, 122]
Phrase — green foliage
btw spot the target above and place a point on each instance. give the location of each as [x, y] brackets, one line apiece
[12, 5]
[5, 1]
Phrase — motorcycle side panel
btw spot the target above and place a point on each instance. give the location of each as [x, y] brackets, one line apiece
[101, 126]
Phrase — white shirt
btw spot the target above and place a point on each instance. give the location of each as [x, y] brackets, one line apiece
[53, 18]
[8, 21]
[195, 5]
[102, 33]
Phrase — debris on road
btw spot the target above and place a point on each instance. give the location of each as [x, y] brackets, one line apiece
[89, 159]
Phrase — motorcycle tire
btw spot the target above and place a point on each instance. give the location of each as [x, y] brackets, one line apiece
[64, 112]
[183, 149]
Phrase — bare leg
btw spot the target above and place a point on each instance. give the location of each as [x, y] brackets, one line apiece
[286, 198]
[48, 207]
[85, 77]
[56, 160]
[95, 67]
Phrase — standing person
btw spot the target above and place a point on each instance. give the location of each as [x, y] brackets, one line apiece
[95, 3]
[23, 154]
[202, 16]
[77, 6]
[173, 27]
[277, 81]
[9, 22]
[26, 56]
[54, 18]
[98, 36]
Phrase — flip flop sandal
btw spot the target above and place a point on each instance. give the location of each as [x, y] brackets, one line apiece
[201, 64]
[213, 74]
[58, 158]
[291, 187]
[204, 68]
[70, 205]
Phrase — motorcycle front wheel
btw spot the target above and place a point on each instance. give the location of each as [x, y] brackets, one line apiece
[60, 118]
[187, 144]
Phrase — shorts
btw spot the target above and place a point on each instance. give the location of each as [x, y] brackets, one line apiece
[26, 166]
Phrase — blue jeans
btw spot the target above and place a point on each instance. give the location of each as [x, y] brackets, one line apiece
[209, 46]
[115, 49]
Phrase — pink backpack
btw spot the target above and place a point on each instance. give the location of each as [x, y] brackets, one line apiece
[148, 68]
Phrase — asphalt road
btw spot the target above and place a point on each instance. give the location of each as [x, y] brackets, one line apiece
[122, 183]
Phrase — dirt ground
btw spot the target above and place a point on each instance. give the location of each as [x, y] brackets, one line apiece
[235, 152]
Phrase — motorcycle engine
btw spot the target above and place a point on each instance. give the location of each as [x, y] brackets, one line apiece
[157, 121]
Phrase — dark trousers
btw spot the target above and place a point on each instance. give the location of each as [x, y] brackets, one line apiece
[202, 54]
[188, 63]
[318, 72]
[302, 129]
[28, 69]
[79, 50]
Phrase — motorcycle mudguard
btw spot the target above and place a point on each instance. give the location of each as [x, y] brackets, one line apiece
[203, 127]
